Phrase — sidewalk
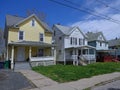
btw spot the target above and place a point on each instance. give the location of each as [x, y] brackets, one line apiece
[44, 83]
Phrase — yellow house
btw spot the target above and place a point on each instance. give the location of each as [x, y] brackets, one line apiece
[28, 39]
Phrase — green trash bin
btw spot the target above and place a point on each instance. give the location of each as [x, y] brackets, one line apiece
[7, 64]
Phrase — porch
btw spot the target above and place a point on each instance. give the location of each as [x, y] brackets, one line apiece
[83, 53]
[34, 52]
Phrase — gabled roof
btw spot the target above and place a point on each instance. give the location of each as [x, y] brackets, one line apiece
[94, 36]
[67, 30]
[12, 21]
[114, 42]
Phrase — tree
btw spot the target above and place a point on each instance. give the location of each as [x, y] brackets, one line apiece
[40, 15]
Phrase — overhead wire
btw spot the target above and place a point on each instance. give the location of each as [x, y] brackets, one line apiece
[85, 11]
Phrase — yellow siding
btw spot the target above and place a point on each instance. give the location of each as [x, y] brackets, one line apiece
[48, 38]
[31, 33]
[13, 35]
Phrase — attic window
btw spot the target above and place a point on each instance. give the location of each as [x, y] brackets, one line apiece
[33, 22]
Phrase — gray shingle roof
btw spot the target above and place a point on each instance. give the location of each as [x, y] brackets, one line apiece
[31, 43]
[64, 29]
[114, 42]
[94, 36]
[67, 30]
[12, 20]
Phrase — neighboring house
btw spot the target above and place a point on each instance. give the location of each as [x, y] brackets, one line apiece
[72, 45]
[28, 39]
[98, 41]
[114, 44]
[2, 46]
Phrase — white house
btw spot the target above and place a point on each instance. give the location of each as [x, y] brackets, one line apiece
[72, 45]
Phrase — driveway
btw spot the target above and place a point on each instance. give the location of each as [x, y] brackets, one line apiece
[10, 80]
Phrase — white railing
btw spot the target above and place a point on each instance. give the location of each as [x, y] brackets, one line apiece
[89, 57]
[44, 58]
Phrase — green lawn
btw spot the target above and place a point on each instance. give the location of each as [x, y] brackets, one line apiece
[66, 73]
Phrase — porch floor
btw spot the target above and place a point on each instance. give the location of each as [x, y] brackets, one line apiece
[22, 66]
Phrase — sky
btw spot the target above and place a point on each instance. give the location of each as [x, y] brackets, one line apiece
[94, 21]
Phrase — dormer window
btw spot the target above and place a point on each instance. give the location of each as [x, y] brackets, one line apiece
[33, 22]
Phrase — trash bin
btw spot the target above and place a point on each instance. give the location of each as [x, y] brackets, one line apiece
[7, 64]
[1, 65]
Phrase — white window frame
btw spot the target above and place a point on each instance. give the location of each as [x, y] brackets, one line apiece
[39, 37]
[23, 35]
[32, 23]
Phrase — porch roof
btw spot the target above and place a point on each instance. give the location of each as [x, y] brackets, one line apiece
[30, 43]
[109, 50]
[83, 46]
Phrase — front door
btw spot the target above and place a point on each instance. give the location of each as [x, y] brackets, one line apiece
[20, 54]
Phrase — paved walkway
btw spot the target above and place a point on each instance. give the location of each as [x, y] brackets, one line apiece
[44, 83]
[22, 66]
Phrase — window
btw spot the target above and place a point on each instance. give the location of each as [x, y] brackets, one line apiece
[54, 33]
[40, 52]
[60, 38]
[83, 41]
[75, 41]
[33, 22]
[100, 43]
[41, 37]
[21, 35]
[71, 40]
[79, 41]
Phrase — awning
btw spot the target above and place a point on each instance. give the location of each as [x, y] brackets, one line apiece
[31, 43]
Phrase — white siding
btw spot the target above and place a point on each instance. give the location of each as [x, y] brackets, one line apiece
[76, 34]
[102, 47]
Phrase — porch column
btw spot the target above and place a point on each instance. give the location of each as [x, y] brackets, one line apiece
[54, 56]
[64, 58]
[12, 58]
[74, 56]
[30, 53]
[77, 56]
[89, 58]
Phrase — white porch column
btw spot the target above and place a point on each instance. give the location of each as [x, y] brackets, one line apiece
[74, 57]
[77, 56]
[64, 58]
[89, 55]
[12, 58]
[30, 53]
[54, 56]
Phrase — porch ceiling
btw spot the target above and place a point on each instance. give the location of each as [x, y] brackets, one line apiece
[81, 47]
[31, 43]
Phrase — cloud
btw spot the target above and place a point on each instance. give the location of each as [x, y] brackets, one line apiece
[111, 30]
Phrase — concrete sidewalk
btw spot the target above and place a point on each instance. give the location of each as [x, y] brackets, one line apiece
[44, 83]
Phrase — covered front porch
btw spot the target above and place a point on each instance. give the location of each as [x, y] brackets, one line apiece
[37, 53]
[82, 53]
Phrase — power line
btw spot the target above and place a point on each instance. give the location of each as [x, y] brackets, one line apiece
[83, 10]
[92, 10]
[108, 5]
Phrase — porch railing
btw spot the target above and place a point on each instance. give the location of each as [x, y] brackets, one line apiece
[86, 57]
[44, 58]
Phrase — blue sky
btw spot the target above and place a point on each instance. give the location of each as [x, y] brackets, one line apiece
[67, 16]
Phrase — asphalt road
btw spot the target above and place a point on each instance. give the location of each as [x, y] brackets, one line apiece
[110, 86]
[10, 80]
